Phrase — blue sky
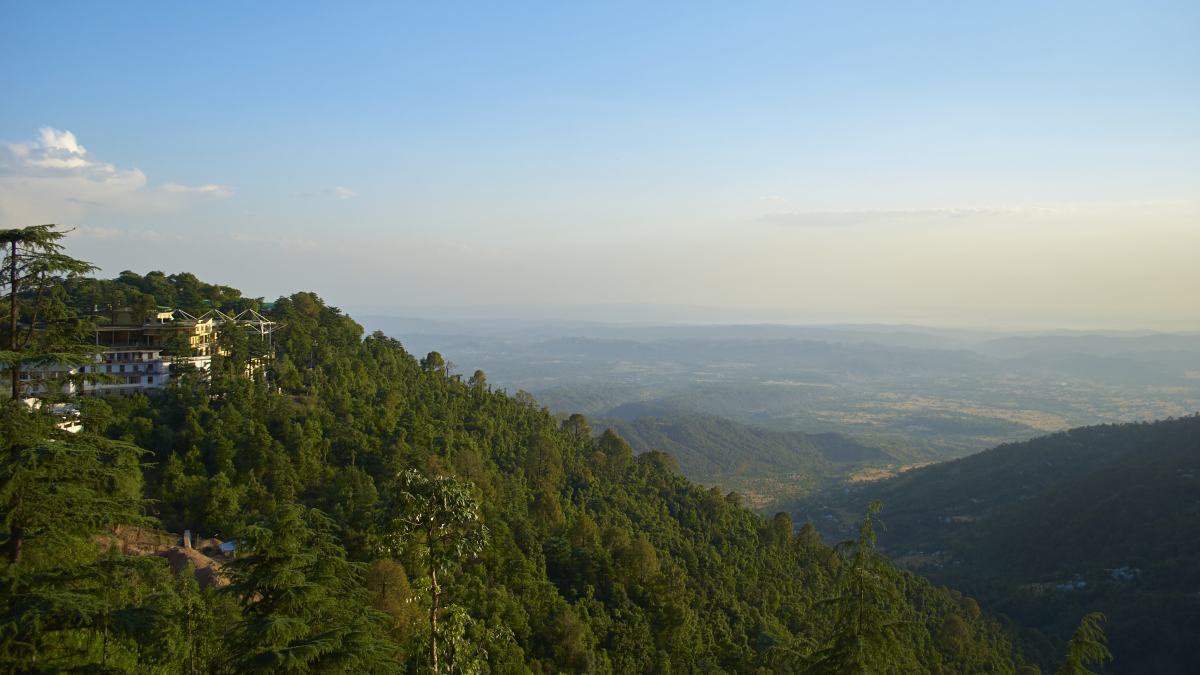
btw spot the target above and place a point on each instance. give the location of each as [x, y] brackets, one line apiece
[938, 162]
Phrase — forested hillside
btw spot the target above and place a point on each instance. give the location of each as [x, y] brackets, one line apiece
[1116, 507]
[763, 465]
[563, 552]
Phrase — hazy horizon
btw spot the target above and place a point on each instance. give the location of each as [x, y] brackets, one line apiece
[1012, 320]
[1025, 167]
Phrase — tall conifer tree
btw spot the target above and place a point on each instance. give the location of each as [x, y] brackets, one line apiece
[1086, 647]
[42, 329]
[870, 633]
[303, 603]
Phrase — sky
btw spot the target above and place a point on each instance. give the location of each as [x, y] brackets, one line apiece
[946, 163]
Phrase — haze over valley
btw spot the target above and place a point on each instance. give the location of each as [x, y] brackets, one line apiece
[672, 338]
[933, 392]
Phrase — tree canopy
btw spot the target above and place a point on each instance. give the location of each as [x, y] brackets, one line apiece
[364, 488]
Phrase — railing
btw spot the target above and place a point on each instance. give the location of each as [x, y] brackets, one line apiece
[139, 359]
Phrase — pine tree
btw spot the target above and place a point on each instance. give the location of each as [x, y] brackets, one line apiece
[124, 617]
[303, 603]
[188, 635]
[55, 484]
[88, 617]
[57, 490]
[1086, 647]
[870, 633]
[42, 328]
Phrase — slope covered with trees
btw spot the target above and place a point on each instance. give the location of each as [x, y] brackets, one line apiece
[584, 558]
[759, 463]
[1116, 507]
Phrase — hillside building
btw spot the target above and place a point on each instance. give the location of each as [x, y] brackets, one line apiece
[132, 350]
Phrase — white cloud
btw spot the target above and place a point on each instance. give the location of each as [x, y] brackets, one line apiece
[205, 191]
[55, 178]
[864, 216]
[339, 192]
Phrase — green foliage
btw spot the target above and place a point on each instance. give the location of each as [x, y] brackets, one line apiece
[543, 463]
[465, 655]
[1086, 647]
[53, 485]
[709, 448]
[62, 605]
[144, 294]
[871, 632]
[440, 515]
[1025, 518]
[188, 637]
[70, 615]
[360, 481]
[40, 329]
[178, 344]
[302, 603]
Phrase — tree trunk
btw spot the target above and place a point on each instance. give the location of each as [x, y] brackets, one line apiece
[433, 615]
[14, 543]
[12, 296]
[191, 643]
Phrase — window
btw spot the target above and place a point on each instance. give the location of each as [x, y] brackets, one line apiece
[108, 369]
[122, 368]
[150, 380]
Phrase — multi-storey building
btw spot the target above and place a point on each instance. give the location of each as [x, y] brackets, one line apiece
[133, 350]
[133, 353]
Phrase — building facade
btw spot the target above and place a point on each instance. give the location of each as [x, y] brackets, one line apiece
[133, 350]
[132, 353]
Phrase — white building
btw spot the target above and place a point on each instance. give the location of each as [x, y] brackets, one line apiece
[133, 354]
[133, 350]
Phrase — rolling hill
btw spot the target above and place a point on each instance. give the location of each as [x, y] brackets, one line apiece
[764, 465]
[1103, 518]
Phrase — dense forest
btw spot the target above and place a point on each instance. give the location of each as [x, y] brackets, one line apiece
[390, 515]
[766, 467]
[1103, 518]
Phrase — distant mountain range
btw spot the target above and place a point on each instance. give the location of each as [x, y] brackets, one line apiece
[989, 342]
